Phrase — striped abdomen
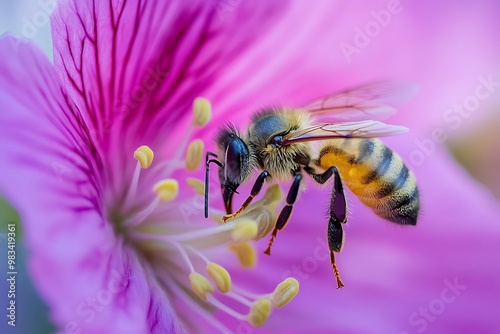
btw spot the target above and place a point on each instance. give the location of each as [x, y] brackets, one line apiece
[377, 175]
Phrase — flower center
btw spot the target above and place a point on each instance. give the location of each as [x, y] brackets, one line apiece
[177, 241]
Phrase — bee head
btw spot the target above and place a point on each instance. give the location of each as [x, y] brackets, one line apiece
[234, 156]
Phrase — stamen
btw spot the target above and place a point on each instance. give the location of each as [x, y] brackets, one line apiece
[200, 285]
[266, 221]
[199, 254]
[166, 190]
[200, 233]
[259, 313]
[247, 256]
[193, 304]
[184, 256]
[264, 211]
[285, 292]
[139, 217]
[202, 111]
[220, 276]
[194, 154]
[248, 294]
[197, 185]
[228, 310]
[133, 185]
[180, 248]
[144, 155]
[244, 230]
[240, 298]
[217, 215]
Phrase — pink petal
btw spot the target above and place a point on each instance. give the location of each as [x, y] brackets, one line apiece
[50, 174]
[423, 44]
[135, 67]
[139, 64]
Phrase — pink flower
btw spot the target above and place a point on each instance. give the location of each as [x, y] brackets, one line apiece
[113, 251]
[120, 244]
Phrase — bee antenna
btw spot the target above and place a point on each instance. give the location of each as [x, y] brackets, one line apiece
[208, 161]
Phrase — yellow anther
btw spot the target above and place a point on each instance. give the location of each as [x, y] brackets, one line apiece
[272, 196]
[266, 221]
[285, 292]
[264, 211]
[220, 276]
[166, 189]
[245, 251]
[202, 111]
[194, 154]
[260, 311]
[244, 230]
[200, 285]
[197, 185]
[144, 155]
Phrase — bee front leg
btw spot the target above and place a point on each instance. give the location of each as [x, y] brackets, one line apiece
[255, 191]
[286, 212]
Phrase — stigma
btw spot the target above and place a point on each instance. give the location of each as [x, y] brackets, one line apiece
[164, 221]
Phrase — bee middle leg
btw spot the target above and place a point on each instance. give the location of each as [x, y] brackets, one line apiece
[286, 212]
[338, 214]
[255, 191]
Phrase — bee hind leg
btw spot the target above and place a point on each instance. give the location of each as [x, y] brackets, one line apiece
[335, 243]
[286, 212]
[320, 178]
[338, 214]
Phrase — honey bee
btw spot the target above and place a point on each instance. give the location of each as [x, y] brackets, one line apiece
[278, 142]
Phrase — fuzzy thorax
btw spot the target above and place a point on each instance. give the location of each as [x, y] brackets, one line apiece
[264, 135]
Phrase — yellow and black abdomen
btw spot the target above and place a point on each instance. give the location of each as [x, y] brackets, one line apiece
[377, 175]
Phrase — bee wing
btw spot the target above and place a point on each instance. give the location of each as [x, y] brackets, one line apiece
[361, 129]
[370, 101]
